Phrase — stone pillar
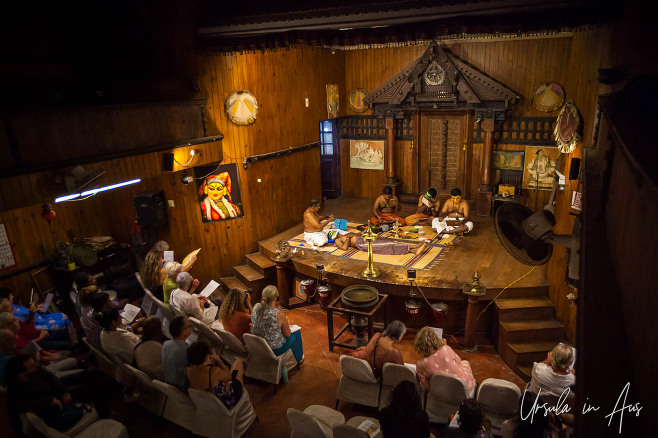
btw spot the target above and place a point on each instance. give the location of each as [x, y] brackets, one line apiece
[484, 193]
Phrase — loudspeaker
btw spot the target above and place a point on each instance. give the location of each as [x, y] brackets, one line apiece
[574, 169]
[151, 208]
[167, 162]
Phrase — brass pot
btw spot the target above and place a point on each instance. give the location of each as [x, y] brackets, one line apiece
[359, 295]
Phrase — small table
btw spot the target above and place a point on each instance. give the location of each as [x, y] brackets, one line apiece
[367, 312]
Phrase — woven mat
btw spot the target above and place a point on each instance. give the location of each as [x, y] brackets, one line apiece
[435, 249]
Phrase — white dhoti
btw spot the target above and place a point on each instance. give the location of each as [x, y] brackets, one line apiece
[441, 226]
[317, 238]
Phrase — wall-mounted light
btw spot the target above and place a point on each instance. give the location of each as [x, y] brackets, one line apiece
[95, 191]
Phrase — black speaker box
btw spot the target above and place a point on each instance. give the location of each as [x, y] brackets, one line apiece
[151, 208]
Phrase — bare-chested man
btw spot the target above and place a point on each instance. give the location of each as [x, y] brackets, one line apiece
[314, 224]
[381, 245]
[385, 207]
[428, 207]
[454, 208]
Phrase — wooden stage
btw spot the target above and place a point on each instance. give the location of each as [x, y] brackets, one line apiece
[479, 250]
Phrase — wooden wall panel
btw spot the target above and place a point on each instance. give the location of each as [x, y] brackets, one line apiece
[521, 65]
[280, 81]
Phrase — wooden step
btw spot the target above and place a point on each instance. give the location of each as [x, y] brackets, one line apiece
[259, 262]
[525, 372]
[524, 292]
[247, 274]
[516, 309]
[229, 283]
[530, 330]
[526, 353]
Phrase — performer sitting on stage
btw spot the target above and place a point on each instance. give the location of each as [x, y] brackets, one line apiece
[314, 225]
[455, 209]
[381, 348]
[428, 207]
[385, 207]
[381, 245]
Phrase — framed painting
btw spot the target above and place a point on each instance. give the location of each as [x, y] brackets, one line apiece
[332, 101]
[367, 154]
[508, 160]
[539, 167]
[219, 192]
[355, 100]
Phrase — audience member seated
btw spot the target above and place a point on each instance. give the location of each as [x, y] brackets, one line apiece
[83, 280]
[174, 352]
[152, 271]
[191, 304]
[100, 302]
[469, 420]
[172, 269]
[235, 313]
[85, 295]
[381, 349]
[115, 340]
[527, 425]
[208, 372]
[553, 374]
[439, 358]
[30, 388]
[268, 322]
[49, 339]
[404, 415]
[148, 353]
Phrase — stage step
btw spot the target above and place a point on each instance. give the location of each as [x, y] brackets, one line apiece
[247, 274]
[524, 372]
[515, 309]
[229, 283]
[525, 292]
[525, 353]
[537, 330]
[260, 263]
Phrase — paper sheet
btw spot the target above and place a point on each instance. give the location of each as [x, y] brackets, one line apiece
[210, 288]
[371, 428]
[130, 312]
[294, 328]
[438, 331]
[168, 256]
[46, 304]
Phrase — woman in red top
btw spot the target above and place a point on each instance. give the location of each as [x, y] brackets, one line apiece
[381, 348]
[235, 313]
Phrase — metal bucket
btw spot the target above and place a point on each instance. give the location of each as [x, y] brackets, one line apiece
[360, 295]
[324, 291]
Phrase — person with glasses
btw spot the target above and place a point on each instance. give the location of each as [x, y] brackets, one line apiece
[174, 353]
[268, 322]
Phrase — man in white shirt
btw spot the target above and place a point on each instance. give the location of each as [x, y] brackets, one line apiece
[192, 304]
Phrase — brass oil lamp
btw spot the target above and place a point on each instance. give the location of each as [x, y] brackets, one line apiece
[369, 236]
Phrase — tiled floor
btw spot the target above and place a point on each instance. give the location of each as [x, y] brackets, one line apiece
[316, 382]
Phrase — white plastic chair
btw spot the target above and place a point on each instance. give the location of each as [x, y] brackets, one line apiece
[179, 408]
[150, 396]
[233, 348]
[214, 420]
[499, 401]
[105, 364]
[207, 334]
[351, 428]
[263, 363]
[89, 426]
[316, 421]
[444, 396]
[392, 375]
[358, 383]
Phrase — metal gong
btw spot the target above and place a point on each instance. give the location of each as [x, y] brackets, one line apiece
[359, 295]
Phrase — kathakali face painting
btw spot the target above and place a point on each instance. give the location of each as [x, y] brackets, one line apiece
[456, 199]
[216, 197]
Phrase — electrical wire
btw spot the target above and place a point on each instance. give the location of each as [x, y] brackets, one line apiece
[186, 164]
[501, 292]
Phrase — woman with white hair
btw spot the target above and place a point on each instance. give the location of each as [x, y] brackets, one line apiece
[554, 374]
[192, 304]
[268, 322]
[382, 348]
[172, 269]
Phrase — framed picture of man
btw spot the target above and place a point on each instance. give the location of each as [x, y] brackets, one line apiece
[219, 192]
[539, 167]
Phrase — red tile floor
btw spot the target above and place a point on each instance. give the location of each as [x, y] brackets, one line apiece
[316, 382]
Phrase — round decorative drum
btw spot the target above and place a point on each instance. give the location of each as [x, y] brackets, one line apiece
[355, 100]
[567, 128]
[241, 107]
[324, 291]
[306, 287]
[360, 295]
[548, 97]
